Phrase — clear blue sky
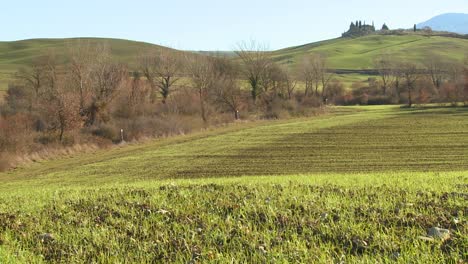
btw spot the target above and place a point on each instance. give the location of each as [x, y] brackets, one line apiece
[210, 24]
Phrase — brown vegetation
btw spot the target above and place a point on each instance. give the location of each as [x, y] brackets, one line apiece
[93, 101]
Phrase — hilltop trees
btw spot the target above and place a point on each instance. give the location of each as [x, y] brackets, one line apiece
[359, 29]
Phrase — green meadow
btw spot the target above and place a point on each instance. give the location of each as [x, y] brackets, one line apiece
[359, 53]
[17, 54]
[354, 185]
[343, 53]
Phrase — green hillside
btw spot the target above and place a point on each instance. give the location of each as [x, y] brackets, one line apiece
[358, 53]
[343, 53]
[358, 185]
[16, 54]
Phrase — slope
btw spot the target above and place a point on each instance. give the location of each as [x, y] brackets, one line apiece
[16, 54]
[349, 140]
[359, 53]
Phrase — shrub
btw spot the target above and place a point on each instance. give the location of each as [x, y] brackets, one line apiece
[106, 131]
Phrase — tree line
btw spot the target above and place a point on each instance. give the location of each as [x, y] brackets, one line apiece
[93, 99]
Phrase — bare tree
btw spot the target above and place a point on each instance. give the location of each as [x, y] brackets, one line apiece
[316, 74]
[410, 74]
[80, 66]
[383, 64]
[162, 70]
[33, 79]
[106, 79]
[321, 66]
[290, 83]
[256, 63]
[437, 69]
[335, 90]
[226, 88]
[60, 108]
[307, 74]
[202, 76]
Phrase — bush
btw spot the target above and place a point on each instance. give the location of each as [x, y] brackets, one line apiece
[310, 101]
[106, 131]
[46, 139]
[379, 100]
[4, 162]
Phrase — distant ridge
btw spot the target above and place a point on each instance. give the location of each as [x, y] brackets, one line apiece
[451, 22]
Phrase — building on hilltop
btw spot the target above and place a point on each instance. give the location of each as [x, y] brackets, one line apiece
[359, 29]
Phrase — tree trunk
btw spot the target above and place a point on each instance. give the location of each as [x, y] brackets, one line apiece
[61, 133]
[410, 102]
[202, 106]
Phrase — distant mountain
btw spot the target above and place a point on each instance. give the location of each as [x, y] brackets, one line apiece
[452, 22]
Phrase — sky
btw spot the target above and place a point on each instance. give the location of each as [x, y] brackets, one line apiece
[210, 24]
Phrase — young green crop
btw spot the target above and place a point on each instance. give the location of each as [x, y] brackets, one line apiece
[360, 184]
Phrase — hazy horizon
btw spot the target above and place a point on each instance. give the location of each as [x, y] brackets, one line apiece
[210, 25]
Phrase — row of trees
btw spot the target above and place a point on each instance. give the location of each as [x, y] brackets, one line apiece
[440, 77]
[80, 93]
[92, 96]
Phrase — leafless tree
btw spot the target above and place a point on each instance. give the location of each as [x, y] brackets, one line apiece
[33, 79]
[437, 68]
[106, 79]
[200, 70]
[256, 62]
[410, 74]
[307, 74]
[226, 89]
[384, 66]
[323, 74]
[335, 90]
[290, 83]
[316, 74]
[162, 70]
[82, 57]
[60, 107]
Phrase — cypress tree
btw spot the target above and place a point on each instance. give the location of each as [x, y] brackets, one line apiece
[415, 28]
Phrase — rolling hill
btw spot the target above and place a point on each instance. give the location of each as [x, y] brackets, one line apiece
[451, 22]
[358, 53]
[343, 53]
[16, 54]
[359, 184]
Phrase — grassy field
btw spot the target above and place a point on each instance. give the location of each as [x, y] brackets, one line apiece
[16, 54]
[343, 53]
[359, 53]
[360, 184]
